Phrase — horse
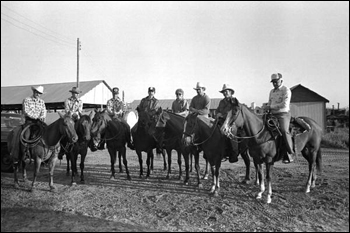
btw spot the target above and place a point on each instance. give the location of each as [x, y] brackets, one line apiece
[144, 142]
[115, 137]
[83, 128]
[45, 147]
[264, 148]
[203, 131]
[167, 130]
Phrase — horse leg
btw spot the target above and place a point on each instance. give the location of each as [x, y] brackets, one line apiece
[164, 160]
[261, 180]
[68, 157]
[186, 156]
[120, 162]
[196, 161]
[311, 158]
[52, 164]
[246, 160]
[149, 163]
[179, 163]
[113, 157]
[212, 169]
[73, 158]
[217, 177]
[257, 181]
[82, 166]
[139, 155]
[16, 168]
[168, 151]
[37, 164]
[206, 173]
[269, 182]
[122, 152]
[191, 157]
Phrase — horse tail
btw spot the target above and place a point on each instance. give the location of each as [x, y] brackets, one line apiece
[319, 161]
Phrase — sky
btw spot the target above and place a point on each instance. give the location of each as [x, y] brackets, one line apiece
[170, 45]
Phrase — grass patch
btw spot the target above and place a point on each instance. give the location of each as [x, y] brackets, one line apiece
[339, 139]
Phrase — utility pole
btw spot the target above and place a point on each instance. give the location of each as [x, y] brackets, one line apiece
[78, 48]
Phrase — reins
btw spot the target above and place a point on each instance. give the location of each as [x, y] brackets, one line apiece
[211, 134]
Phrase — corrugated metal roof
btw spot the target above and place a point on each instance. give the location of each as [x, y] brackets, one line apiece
[53, 93]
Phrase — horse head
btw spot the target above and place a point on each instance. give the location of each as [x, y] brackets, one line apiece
[190, 127]
[98, 127]
[67, 127]
[83, 126]
[233, 121]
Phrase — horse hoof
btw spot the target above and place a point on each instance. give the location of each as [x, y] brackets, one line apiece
[205, 177]
[167, 177]
[128, 177]
[67, 174]
[16, 186]
[120, 171]
[268, 201]
[82, 181]
[52, 188]
[73, 183]
[180, 177]
[245, 181]
[200, 186]
[216, 194]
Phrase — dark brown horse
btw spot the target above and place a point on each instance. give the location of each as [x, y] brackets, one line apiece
[45, 147]
[144, 141]
[83, 129]
[263, 147]
[202, 131]
[115, 137]
[168, 132]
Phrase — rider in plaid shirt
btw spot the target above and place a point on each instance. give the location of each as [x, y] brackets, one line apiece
[34, 107]
[74, 105]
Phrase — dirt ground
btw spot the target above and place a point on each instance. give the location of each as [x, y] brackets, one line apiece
[158, 204]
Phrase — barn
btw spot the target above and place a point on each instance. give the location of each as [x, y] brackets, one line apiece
[306, 102]
[95, 94]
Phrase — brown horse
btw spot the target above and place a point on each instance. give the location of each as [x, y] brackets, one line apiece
[263, 147]
[145, 142]
[168, 130]
[45, 147]
[115, 137]
[83, 128]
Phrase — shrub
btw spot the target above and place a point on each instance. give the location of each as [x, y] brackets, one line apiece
[339, 138]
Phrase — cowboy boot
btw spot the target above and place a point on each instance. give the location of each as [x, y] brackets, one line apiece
[233, 151]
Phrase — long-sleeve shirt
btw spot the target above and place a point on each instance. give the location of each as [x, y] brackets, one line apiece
[34, 108]
[279, 99]
[201, 103]
[73, 106]
[225, 106]
[116, 107]
[147, 104]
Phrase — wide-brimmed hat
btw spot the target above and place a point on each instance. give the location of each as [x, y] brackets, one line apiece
[115, 90]
[227, 87]
[39, 89]
[275, 77]
[199, 86]
[75, 90]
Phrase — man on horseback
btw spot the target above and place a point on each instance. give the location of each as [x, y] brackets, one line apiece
[74, 107]
[34, 112]
[224, 107]
[201, 102]
[279, 106]
[116, 109]
[180, 105]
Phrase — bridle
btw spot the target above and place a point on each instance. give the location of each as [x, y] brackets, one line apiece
[192, 134]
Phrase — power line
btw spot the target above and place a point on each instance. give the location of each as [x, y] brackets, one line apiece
[35, 22]
[36, 29]
[35, 33]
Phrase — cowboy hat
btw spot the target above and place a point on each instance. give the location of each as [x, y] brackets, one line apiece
[75, 90]
[227, 87]
[39, 89]
[275, 77]
[199, 86]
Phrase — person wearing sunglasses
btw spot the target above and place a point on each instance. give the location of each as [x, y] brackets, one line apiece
[279, 106]
[180, 105]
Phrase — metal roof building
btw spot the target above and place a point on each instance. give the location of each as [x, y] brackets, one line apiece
[94, 94]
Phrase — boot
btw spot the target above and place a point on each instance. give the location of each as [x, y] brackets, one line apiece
[131, 145]
[232, 151]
